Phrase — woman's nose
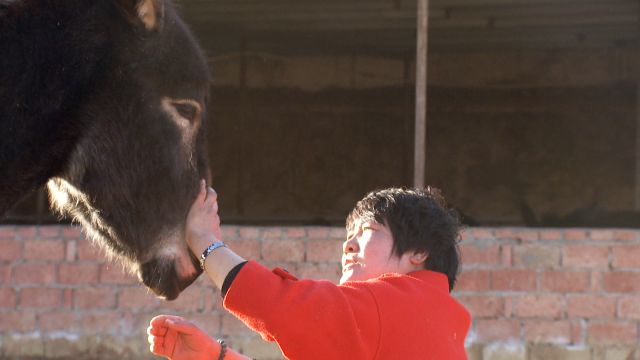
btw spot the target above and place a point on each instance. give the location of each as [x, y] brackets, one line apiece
[350, 246]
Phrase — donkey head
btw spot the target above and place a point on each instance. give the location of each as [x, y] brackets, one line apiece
[132, 178]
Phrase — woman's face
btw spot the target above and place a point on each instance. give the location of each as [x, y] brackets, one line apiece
[367, 253]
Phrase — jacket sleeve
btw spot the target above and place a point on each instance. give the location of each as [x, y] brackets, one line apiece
[308, 319]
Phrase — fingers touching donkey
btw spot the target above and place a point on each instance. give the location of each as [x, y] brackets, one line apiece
[203, 220]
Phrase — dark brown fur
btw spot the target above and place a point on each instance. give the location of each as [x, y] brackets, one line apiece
[81, 90]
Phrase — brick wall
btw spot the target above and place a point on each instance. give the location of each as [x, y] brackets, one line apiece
[533, 294]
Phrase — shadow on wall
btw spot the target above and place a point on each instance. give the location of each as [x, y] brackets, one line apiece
[590, 216]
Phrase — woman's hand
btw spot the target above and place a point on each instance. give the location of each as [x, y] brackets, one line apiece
[203, 222]
[178, 339]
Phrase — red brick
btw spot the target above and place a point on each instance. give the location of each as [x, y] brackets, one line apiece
[75, 273]
[549, 332]
[565, 281]
[578, 331]
[5, 274]
[44, 250]
[541, 306]
[508, 306]
[497, 330]
[7, 298]
[283, 250]
[72, 232]
[249, 232]
[59, 320]
[323, 271]
[212, 300]
[601, 235]
[626, 257]
[105, 322]
[481, 233]
[272, 233]
[506, 252]
[7, 232]
[114, 274]
[11, 249]
[295, 232]
[315, 232]
[523, 235]
[34, 273]
[211, 323]
[134, 323]
[625, 235]
[551, 235]
[247, 248]
[231, 326]
[484, 306]
[229, 232]
[50, 231]
[585, 256]
[338, 233]
[591, 306]
[94, 298]
[528, 236]
[612, 333]
[324, 250]
[136, 298]
[576, 234]
[89, 251]
[629, 308]
[17, 321]
[597, 280]
[621, 282]
[40, 298]
[505, 234]
[67, 298]
[191, 300]
[70, 251]
[536, 256]
[27, 232]
[473, 254]
[513, 280]
[473, 280]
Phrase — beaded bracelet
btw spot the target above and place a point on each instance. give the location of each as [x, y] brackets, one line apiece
[223, 349]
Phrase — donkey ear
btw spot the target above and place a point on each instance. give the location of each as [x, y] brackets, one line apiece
[146, 13]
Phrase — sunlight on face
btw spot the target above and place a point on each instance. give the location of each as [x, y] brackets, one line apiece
[367, 252]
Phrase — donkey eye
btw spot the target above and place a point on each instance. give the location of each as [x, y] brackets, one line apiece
[187, 110]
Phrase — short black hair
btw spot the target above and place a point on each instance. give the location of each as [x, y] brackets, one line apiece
[419, 220]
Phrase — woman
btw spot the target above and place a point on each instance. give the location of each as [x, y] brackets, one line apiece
[399, 263]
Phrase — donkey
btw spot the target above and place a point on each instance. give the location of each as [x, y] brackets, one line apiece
[104, 101]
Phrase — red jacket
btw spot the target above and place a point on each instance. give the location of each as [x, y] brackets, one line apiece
[391, 317]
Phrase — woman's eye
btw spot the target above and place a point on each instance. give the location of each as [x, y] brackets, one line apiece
[187, 111]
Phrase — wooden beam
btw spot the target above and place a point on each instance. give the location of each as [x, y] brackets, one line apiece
[539, 10]
[637, 174]
[637, 177]
[484, 3]
[419, 158]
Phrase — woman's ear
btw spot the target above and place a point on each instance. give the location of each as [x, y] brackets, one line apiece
[418, 257]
